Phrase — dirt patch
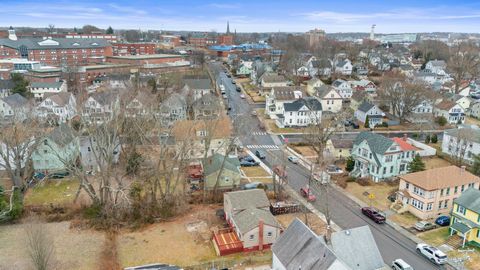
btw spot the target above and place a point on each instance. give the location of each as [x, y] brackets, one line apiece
[256, 171]
[406, 220]
[314, 222]
[74, 249]
[380, 193]
[435, 162]
[109, 255]
[188, 239]
[305, 151]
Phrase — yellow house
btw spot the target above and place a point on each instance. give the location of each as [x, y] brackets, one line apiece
[465, 220]
[339, 148]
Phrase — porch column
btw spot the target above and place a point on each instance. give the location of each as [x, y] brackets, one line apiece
[464, 238]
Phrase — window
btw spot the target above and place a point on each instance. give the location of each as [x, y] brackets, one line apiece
[463, 188]
[441, 192]
[440, 204]
[429, 206]
[251, 236]
[269, 234]
[417, 204]
[418, 191]
[388, 158]
[384, 170]
[445, 204]
[408, 154]
[455, 190]
[448, 191]
[45, 151]
[461, 209]
[391, 169]
[407, 185]
[402, 167]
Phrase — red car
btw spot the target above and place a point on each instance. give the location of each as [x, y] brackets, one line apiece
[374, 214]
[307, 193]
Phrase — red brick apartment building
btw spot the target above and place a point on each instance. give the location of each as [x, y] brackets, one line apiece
[55, 51]
[123, 49]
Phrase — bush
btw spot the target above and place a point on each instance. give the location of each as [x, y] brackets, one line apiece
[427, 139]
[434, 138]
[441, 121]
[350, 164]
[364, 181]
[342, 182]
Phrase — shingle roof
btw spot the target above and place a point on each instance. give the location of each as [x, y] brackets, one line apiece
[342, 143]
[272, 78]
[46, 84]
[250, 218]
[63, 43]
[365, 106]
[470, 199]
[338, 82]
[104, 98]
[187, 129]
[15, 100]
[357, 248]
[287, 92]
[324, 90]
[60, 99]
[7, 84]
[445, 105]
[310, 102]
[62, 135]
[245, 199]
[214, 164]
[470, 133]
[442, 177]
[378, 144]
[300, 248]
[198, 83]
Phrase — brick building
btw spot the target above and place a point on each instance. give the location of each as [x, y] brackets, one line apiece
[121, 49]
[170, 41]
[225, 39]
[55, 51]
[151, 59]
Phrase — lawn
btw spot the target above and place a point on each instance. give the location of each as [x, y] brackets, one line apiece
[273, 128]
[73, 249]
[264, 180]
[379, 190]
[472, 121]
[436, 237]
[405, 219]
[435, 162]
[256, 171]
[305, 151]
[57, 192]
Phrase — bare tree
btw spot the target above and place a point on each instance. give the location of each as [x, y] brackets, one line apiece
[458, 145]
[39, 242]
[402, 97]
[51, 28]
[463, 63]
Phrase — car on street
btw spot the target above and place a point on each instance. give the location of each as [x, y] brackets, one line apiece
[238, 89]
[432, 253]
[242, 96]
[293, 159]
[260, 154]
[247, 158]
[424, 226]
[333, 169]
[254, 113]
[443, 221]
[234, 82]
[224, 96]
[374, 214]
[58, 175]
[400, 264]
[245, 163]
[228, 75]
[307, 194]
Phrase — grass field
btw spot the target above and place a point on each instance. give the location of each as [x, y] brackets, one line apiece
[256, 171]
[405, 219]
[435, 162]
[379, 190]
[57, 192]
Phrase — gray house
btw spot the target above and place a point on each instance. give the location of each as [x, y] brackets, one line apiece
[172, 109]
[207, 107]
[197, 87]
[6, 87]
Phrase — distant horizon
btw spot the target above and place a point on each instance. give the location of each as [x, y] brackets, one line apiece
[268, 16]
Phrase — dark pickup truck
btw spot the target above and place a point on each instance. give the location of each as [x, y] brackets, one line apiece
[374, 214]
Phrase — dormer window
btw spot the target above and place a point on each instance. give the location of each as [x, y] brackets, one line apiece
[75, 44]
[94, 44]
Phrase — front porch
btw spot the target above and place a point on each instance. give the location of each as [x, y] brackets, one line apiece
[226, 242]
[461, 228]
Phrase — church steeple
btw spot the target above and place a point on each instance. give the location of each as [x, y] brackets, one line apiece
[228, 27]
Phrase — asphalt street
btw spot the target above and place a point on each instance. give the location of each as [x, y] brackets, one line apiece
[343, 211]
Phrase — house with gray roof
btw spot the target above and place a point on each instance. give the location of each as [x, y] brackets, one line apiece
[172, 109]
[275, 99]
[39, 89]
[379, 157]
[14, 107]
[6, 87]
[330, 98]
[375, 115]
[465, 217]
[56, 151]
[221, 172]
[208, 106]
[248, 214]
[300, 248]
[300, 113]
[258, 69]
[58, 108]
[197, 87]
[343, 66]
[462, 142]
[270, 79]
[357, 248]
[343, 88]
[101, 106]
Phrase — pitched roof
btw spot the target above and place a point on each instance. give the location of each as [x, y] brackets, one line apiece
[201, 83]
[7, 84]
[342, 143]
[54, 43]
[365, 106]
[46, 84]
[214, 164]
[60, 99]
[188, 129]
[445, 105]
[338, 82]
[324, 90]
[359, 95]
[310, 102]
[287, 92]
[62, 135]
[272, 78]
[250, 218]
[468, 132]
[245, 199]
[470, 199]
[15, 100]
[378, 144]
[300, 248]
[105, 98]
[439, 178]
[357, 248]
[404, 145]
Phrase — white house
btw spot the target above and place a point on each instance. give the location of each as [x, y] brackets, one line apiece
[312, 84]
[329, 97]
[197, 87]
[100, 107]
[14, 107]
[475, 110]
[60, 107]
[278, 96]
[343, 88]
[343, 67]
[462, 142]
[39, 89]
[363, 85]
[453, 112]
[268, 80]
[375, 115]
[436, 66]
[300, 113]
[422, 113]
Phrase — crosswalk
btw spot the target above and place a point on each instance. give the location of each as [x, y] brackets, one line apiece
[259, 133]
[262, 146]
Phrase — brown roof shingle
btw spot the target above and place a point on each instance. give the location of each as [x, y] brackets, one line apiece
[439, 178]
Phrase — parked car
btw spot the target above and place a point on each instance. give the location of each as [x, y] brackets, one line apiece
[242, 96]
[254, 113]
[260, 154]
[245, 163]
[424, 226]
[433, 254]
[293, 159]
[252, 185]
[374, 214]
[238, 89]
[400, 264]
[307, 193]
[443, 220]
[229, 75]
[247, 158]
[333, 169]
[234, 82]
[58, 175]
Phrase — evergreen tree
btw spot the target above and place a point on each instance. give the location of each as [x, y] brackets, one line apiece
[476, 165]
[109, 31]
[417, 164]
[427, 139]
[20, 85]
[367, 122]
[434, 138]
[350, 164]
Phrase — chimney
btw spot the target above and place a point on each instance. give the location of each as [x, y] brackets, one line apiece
[260, 235]
[405, 137]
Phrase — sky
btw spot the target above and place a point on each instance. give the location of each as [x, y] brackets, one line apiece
[390, 16]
